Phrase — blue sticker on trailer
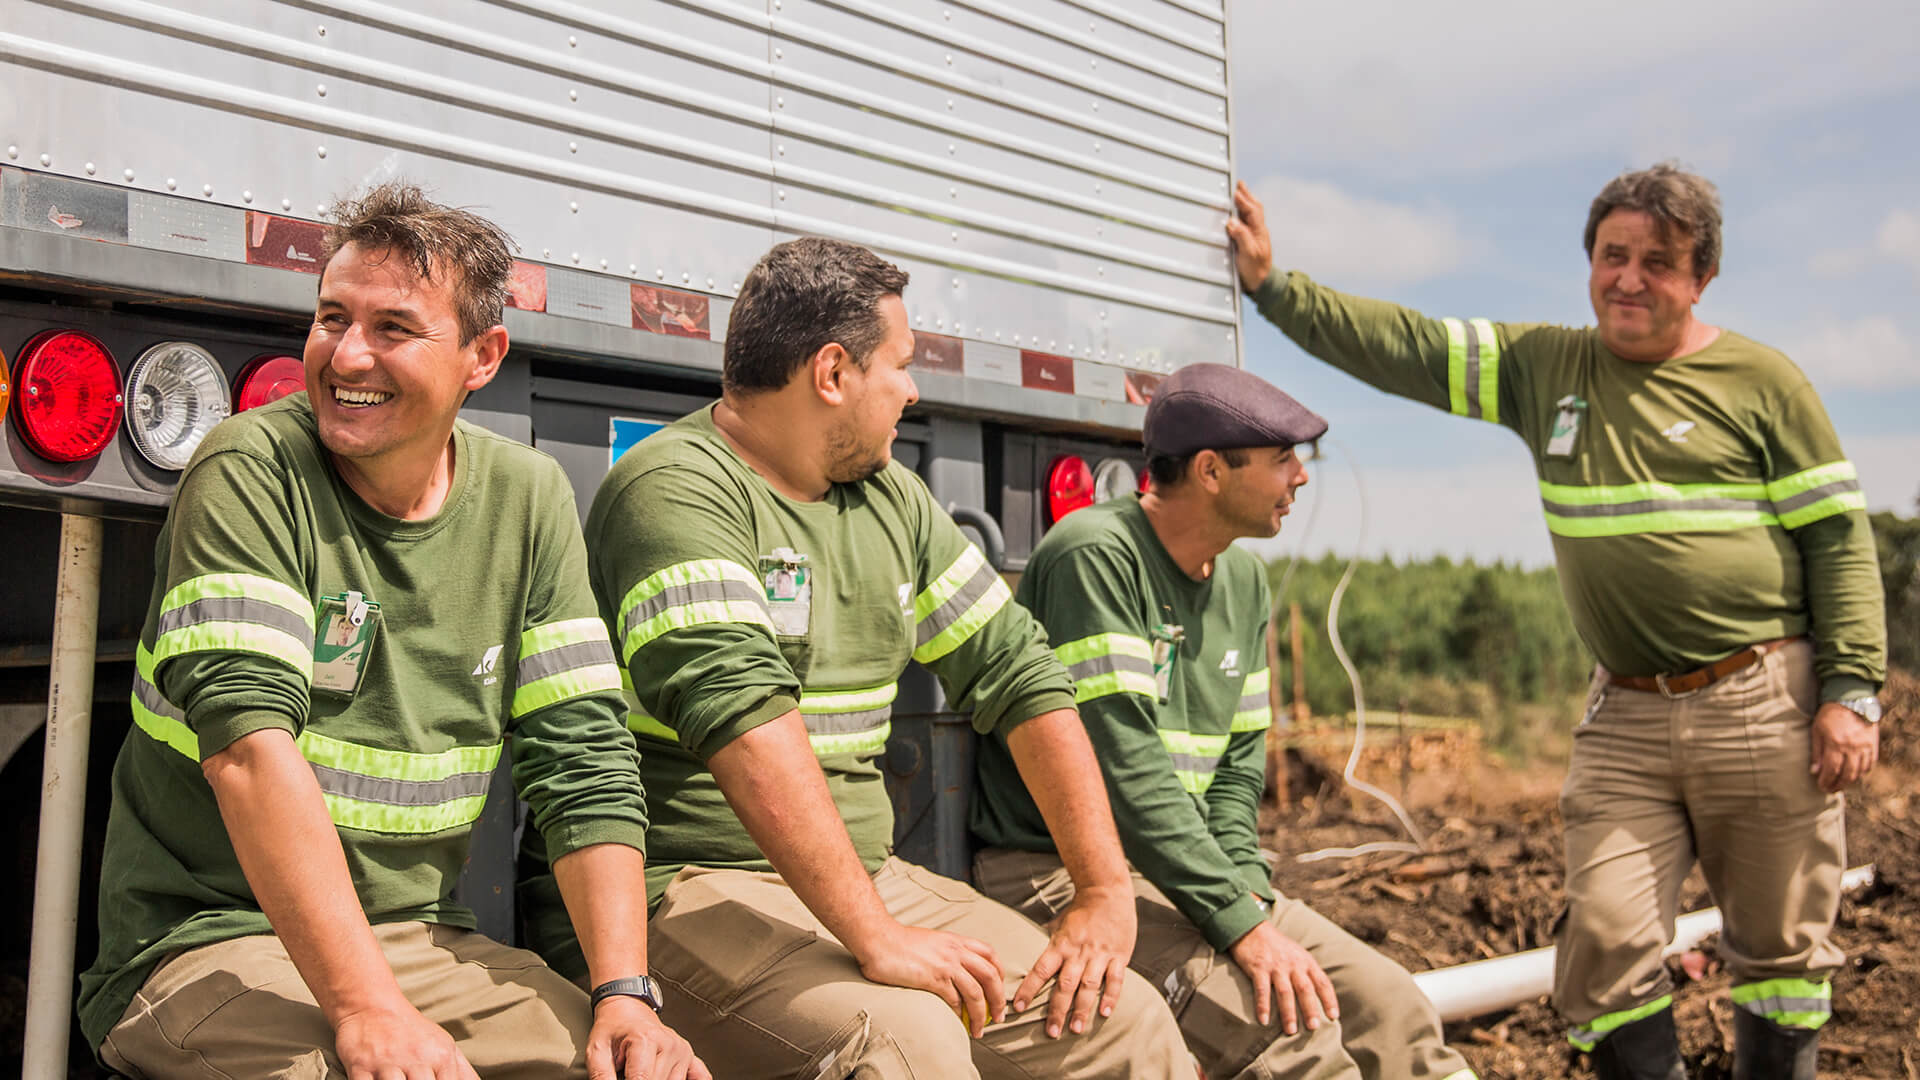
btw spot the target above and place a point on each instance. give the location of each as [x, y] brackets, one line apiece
[624, 432]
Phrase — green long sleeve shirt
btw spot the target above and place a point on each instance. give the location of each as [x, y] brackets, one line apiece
[731, 605]
[1171, 678]
[1697, 505]
[476, 634]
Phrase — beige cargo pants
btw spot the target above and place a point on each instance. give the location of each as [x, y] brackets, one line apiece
[1387, 1029]
[1721, 777]
[761, 989]
[238, 1010]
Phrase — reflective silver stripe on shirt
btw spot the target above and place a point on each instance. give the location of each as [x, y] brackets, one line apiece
[1808, 498]
[239, 609]
[957, 605]
[376, 789]
[846, 723]
[1194, 763]
[1251, 702]
[564, 658]
[1473, 369]
[693, 592]
[1108, 664]
[1653, 506]
[156, 702]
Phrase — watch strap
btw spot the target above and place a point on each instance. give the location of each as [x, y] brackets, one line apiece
[635, 986]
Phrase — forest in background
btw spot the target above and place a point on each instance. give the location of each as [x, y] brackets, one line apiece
[1492, 643]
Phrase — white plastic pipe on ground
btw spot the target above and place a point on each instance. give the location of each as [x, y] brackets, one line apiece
[63, 800]
[1484, 986]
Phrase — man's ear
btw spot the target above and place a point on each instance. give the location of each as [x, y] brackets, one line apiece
[828, 369]
[1206, 469]
[489, 348]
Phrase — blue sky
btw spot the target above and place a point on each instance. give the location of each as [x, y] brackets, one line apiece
[1443, 156]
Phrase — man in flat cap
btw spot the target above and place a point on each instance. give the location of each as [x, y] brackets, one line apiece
[1162, 623]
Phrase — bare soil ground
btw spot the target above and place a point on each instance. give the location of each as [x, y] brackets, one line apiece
[1489, 883]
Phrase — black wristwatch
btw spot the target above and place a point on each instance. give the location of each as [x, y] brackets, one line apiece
[637, 986]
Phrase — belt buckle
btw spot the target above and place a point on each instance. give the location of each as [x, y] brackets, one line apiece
[1660, 681]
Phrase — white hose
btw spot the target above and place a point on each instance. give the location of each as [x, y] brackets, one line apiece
[1360, 706]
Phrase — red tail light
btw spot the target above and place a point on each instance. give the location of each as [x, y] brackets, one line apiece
[1069, 486]
[70, 402]
[267, 378]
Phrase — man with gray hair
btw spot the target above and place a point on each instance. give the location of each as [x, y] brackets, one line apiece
[331, 666]
[1715, 555]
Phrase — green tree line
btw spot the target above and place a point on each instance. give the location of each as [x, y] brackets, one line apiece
[1465, 639]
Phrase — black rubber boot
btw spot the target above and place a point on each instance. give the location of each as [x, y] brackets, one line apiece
[1646, 1049]
[1763, 1050]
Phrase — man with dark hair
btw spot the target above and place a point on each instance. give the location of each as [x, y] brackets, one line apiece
[1715, 555]
[767, 571]
[326, 680]
[1162, 622]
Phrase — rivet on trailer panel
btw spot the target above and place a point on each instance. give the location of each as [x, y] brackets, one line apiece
[320, 150]
[321, 89]
[573, 147]
[13, 153]
[777, 54]
[322, 31]
[89, 168]
[572, 42]
[46, 160]
[127, 175]
[207, 190]
[246, 196]
[286, 204]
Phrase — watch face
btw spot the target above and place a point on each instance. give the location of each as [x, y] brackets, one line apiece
[1868, 708]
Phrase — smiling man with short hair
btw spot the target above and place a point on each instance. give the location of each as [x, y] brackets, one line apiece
[360, 600]
[1715, 554]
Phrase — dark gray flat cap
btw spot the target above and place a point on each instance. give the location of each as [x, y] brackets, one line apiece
[1216, 407]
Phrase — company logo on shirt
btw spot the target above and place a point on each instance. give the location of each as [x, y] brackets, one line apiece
[1231, 662]
[485, 667]
[1678, 432]
[906, 599]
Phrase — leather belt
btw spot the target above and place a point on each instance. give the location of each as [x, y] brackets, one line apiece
[1679, 686]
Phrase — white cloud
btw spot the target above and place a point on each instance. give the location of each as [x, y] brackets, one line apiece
[1899, 238]
[1480, 85]
[1360, 242]
[1873, 353]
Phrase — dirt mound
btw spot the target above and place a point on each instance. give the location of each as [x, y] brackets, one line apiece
[1490, 883]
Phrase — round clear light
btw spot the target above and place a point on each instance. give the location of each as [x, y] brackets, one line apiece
[175, 394]
[1113, 479]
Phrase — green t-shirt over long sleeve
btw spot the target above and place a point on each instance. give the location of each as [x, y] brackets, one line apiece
[731, 604]
[484, 637]
[1697, 505]
[1185, 762]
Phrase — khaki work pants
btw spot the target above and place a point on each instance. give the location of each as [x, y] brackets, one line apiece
[238, 1010]
[1387, 1029]
[1721, 777]
[761, 989]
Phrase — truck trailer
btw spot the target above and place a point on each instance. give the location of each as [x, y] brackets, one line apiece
[1054, 174]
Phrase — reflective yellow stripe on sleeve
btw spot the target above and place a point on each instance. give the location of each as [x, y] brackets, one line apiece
[561, 661]
[1254, 713]
[237, 613]
[960, 601]
[1195, 757]
[693, 593]
[1817, 493]
[1654, 507]
[1473, 369]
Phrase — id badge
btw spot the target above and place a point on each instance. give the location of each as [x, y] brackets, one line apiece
[348, 625]
[1566, 426]
[788, 581]
[1166, 646]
